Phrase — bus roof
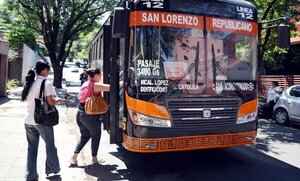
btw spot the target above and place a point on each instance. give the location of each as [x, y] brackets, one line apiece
[121, 3]
[242, 2]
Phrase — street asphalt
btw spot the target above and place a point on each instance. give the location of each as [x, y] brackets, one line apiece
[13, 144]
[281, 144]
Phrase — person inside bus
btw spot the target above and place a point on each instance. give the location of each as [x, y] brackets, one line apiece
[273, 95]
[89, 125]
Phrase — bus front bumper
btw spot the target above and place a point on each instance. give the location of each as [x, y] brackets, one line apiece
[145, 139]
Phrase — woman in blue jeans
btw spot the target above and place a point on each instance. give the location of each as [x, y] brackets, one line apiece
[34, 131]
[89, 125]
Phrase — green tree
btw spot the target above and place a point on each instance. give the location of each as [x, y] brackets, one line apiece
[60, 22]
[21, 35]
[9, 17]
[81, 46]
[5, 19]
[270, 53]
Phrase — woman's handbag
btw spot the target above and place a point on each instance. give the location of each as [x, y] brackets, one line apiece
[45, 114]
[95, 104]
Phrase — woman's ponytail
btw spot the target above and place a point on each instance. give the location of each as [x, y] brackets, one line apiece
[29, 80]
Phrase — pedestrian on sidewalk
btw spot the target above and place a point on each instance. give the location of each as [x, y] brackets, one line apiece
[272, 96]
[34, 131]
[89, 125]
[83, 77]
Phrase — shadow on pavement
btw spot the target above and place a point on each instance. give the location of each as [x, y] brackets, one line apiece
[103, 172]
[54, 178]
[274, 132]
[234, 164]
[4, 100]
[69, 99]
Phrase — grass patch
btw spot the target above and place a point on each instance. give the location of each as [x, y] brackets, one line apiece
[12, 84]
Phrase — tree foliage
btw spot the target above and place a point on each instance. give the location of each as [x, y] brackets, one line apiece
[9, 18]
[20, 35]
[81, 46]
[271, 55]
[5, 18]
[60, 22]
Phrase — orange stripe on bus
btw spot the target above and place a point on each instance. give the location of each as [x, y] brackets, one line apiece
[248, 107]
[151, 145]
[147, 108]
[153, 18]
[230, 25]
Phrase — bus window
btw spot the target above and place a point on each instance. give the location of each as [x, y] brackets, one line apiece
[165, 53]
[235, 55]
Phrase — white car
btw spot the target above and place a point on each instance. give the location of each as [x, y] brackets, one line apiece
[74, 69]
[286, 110]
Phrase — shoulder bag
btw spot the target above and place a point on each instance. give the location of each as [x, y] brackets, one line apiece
[45, 114]
[95, 104]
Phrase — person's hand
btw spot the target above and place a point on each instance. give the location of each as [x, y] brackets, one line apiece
[121, 84]
[57, 100]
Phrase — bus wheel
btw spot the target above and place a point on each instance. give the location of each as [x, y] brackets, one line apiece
[281, 116]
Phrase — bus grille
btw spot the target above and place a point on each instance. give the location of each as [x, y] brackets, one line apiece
[203, 113]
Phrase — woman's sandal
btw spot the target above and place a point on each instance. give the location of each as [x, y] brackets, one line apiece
[73, 163]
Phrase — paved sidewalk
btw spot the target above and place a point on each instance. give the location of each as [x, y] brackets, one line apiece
[13, 144]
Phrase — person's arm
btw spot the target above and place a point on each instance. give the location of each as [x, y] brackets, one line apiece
[278, 90]
[53, 100]
[99, 87]
[50, 94]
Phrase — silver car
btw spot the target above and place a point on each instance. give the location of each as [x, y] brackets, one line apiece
[287, 108]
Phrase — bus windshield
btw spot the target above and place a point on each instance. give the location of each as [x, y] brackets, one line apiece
[163, 54]
[191, 54]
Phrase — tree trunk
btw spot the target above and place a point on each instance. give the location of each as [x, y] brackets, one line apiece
[58, 75]
[58, 62]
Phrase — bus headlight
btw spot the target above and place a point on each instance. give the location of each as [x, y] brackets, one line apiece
[247, 118]
[143, 120]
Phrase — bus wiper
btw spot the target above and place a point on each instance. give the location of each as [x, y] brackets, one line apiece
[197, 61]
[216, 67]
[161, 97]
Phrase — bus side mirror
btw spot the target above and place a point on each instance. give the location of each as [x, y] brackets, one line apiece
[120, 22]
[284, 36]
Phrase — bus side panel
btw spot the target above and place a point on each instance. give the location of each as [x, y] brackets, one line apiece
[116, 65]
[106, 63]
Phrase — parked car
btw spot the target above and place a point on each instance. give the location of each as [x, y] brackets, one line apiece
[287, 108]
[47, 59]
[74, 69]
[77, 64]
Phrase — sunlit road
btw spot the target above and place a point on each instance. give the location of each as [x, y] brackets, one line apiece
[281, 142]
[72, 80]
